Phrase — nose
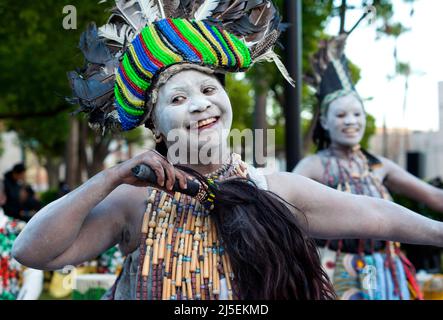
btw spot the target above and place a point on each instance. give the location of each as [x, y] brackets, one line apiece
[199, 104]
[350, 119]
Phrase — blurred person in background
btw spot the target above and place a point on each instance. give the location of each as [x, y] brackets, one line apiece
[16, 281]
[21, 201]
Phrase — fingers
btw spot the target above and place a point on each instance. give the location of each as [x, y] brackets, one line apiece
[170, 173]
[157, 166]
[166, 173]
[181, 177]
[173, 174]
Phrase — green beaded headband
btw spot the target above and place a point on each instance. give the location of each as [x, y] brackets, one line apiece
[329, 98]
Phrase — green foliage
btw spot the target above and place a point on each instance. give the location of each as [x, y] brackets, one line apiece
[370, 131]
[403, 69]
[417, 207]
[134, 136]
[48, 196]
[2, 148]
[241, 96]
[35, 54]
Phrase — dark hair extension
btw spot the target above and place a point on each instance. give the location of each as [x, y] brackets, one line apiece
[221, 77]
[271, 257]
[161, 148]
[373, 161]
[320, 136]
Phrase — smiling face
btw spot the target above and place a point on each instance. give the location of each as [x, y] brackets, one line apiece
[193, 105]
[345, 121]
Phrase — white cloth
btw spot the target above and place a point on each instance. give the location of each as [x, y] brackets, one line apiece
[258, 177]
[3, 218]
[32, 284]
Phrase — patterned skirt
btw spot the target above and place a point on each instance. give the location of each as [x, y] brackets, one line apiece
[378, 276]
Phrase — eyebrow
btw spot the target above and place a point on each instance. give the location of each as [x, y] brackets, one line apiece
[184, 88]
[178, 88]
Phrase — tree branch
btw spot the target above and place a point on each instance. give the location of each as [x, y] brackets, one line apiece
[34, 114]
[343, 8]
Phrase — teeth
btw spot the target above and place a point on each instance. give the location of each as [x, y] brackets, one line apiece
[206, 121]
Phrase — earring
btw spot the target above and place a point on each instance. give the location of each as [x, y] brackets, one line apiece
[158, 138]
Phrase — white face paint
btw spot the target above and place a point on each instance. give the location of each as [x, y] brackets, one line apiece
[345, 121]
[193, 102]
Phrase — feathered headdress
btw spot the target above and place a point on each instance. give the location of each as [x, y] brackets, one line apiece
[330, 71]
[331, 77]
[145, 42]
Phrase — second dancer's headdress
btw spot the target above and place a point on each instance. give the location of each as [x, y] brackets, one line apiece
[331, 77]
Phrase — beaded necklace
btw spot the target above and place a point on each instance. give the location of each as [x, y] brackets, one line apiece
[361, 181]
[181, 257]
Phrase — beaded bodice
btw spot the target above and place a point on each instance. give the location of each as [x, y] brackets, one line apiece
[180, 255]
[352, 173]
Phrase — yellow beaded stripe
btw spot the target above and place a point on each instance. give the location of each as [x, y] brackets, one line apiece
[215, 42]
[128, 95]
[209, 53]
[158, 48]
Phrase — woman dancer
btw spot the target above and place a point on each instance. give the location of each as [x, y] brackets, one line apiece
[340, 163]
[210, 246]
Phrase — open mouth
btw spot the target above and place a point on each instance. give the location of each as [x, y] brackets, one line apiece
[204, 124]
[350, 131]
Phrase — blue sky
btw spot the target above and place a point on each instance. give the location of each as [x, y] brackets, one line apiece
[422, 47]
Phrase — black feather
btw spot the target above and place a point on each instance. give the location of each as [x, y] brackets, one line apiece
[187, 8]
[94, 49]
[89, 91]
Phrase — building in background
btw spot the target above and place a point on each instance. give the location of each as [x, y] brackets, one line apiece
[425, 149]
[12, 153]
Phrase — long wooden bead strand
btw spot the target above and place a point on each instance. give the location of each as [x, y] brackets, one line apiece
[144, 235]
[227, 275]
[202, 270]
[210, 258]
[180, 217]
[182, 257]
[149, 242]
[215, 256]
[168, 262]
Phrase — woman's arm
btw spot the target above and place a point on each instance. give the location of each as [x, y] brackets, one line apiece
[90, 219]
[310, 167]
[331, 214]
[402, 182]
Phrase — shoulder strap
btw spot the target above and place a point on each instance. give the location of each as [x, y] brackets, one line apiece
[373, 161]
